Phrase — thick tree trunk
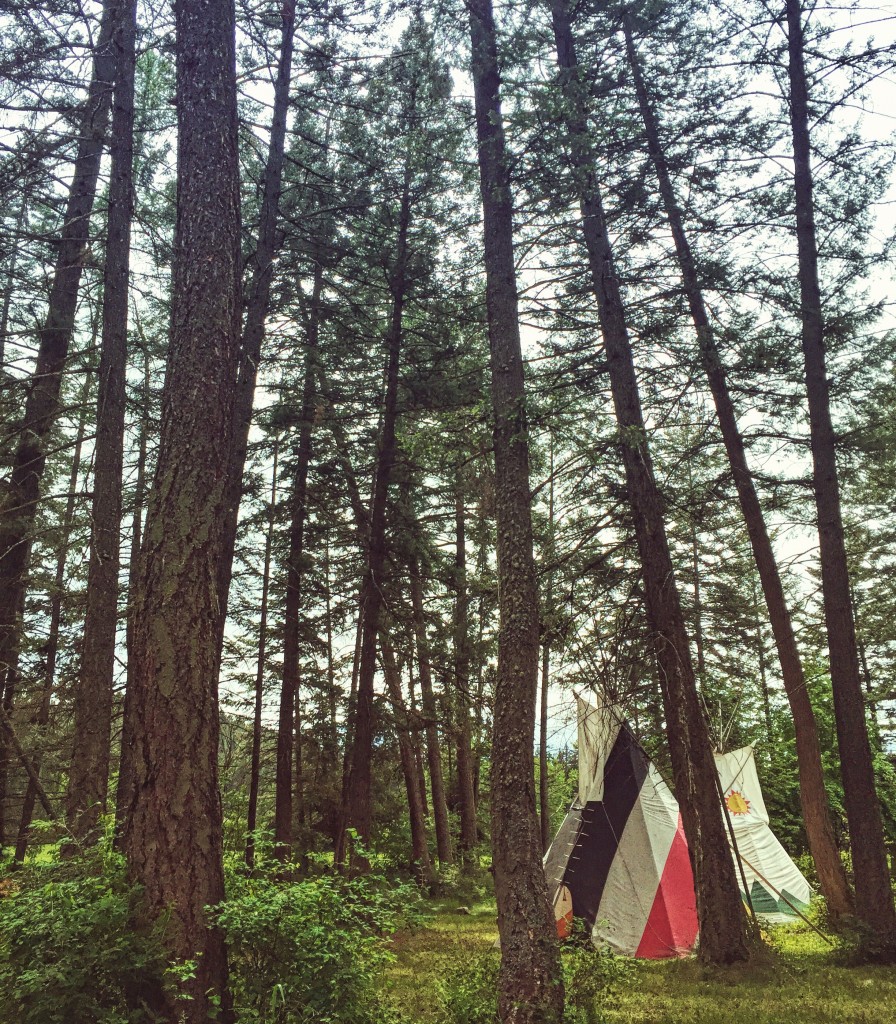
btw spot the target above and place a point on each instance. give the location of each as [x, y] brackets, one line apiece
[466, 795]
[173, 837]
[89, 773]
[51, 648]
[723, 937]
[421, 863]
[814, 800]
[18, 502]
[874, 898]
[283, 798]
[530, 983]
[357, 812]
[431, 717]
[255, 767]
[261, 268]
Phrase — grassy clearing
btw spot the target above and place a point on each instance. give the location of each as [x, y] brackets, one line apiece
[801, 982]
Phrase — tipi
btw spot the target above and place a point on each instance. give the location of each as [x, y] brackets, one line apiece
[620, 864]
[778, 890]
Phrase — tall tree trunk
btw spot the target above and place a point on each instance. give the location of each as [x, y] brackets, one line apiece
[51, 648]
[126, 755]
[89, 773]
[723, 937]
[333, 741]
[544, 803]
[261, 267]
[19, 499]
[340, 839]
[813, 797]
[21, 220]
[420, 859]
[283, 799]
[530, 983]
[466, 795]
[431, 717]
[417, 730]
[255, 768]
[357, 812]
[173, 837]
[874, 898]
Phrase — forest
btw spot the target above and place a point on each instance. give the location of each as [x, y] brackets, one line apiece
[382, 383]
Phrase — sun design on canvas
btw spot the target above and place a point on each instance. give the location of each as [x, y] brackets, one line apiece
[737, 803]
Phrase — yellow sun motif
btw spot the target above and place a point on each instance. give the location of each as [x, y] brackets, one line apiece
[737, 803]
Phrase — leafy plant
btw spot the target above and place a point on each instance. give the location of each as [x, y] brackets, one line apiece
[467, 990]
[68, 951]
[592, 976]
[313, 950]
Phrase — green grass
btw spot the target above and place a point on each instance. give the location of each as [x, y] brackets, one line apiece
[800, 981]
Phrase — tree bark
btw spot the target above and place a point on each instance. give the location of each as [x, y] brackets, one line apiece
[530, 983]
[469, 834]
[261, 267]
[874, 898]
[21, 221]
[255, 767]
[18, 502]
[813, 796]
[89, 773]
[173, 837]
[283, 800]
[357, 813]
[544, 803]
[51, 648]
[421, 863]
[431, 718]
[723, 937]
[126, 755]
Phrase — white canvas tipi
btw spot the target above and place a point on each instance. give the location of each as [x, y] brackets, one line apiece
[778, 890]
[619, 862]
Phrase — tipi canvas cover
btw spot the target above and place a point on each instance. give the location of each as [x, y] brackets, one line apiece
[619, 862]
[776, 885]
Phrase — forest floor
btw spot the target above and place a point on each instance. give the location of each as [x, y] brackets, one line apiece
[802, 981]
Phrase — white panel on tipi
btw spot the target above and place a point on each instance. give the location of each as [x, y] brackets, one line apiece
[597, 731]
[775, 881]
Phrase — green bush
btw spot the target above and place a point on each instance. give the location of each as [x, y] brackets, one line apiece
[467, 991]
[591, 977]
[68, 953]
[314, 950]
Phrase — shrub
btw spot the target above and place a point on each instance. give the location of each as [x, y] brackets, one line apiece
[313, 950]
[591, 976]
[467, 991]
[68, 953]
